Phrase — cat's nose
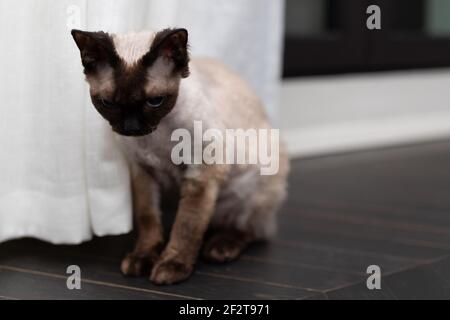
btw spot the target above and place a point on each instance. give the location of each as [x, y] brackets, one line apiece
[131, 125]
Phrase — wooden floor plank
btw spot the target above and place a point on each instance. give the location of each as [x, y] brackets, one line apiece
[307, 266]
[107, 270]
[419, 214]
[323, 258]
[335, 239]
[369, 232]
[297, 276]
[429, 282]
[407, 229]
[26, 285]
[361, 292]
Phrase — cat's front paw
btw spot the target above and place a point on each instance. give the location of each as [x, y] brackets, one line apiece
[136, 265]
[169, 272]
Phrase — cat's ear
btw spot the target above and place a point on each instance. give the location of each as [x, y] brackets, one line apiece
[96, 49]
[172, 45]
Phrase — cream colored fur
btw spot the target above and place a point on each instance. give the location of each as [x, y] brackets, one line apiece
[220, 99]
[132, 46]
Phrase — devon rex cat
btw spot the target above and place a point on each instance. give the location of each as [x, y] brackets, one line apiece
[145, 86]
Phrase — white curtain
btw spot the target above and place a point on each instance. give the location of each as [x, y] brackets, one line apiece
[62, 177]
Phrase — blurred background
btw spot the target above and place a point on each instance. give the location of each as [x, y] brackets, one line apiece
[348, 87]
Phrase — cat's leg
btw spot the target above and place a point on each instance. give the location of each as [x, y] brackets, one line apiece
[199, 192]
[231, 232]
[247, 215]
[150, 233]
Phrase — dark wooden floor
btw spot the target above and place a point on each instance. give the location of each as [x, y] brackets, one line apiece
[388, 207]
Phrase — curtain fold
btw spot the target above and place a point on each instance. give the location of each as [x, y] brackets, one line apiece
[63, 179]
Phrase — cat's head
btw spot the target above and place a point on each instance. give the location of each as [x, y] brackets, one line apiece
[134, 79]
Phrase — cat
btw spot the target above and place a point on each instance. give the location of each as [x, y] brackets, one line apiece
[146, 86]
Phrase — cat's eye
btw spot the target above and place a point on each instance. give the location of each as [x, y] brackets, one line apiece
[107, 103]
[155, 102]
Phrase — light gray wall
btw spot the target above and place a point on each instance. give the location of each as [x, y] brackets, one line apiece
[339, 113]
